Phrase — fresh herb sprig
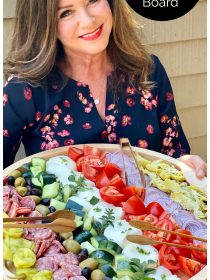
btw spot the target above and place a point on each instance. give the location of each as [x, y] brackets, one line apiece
[141, 270]
[106, 219]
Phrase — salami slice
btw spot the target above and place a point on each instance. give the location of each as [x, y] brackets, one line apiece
[27, 201]
[60, 274]
[42, 234]
[77, 278]
[46, 263]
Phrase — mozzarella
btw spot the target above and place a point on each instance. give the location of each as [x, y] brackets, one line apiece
[163, 273]
[119, 232]
[144, 253]
[86, 205]
[60, 165]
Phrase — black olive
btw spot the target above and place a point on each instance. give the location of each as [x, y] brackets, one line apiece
[45, 201]
[84, 252]
[86, 272]
[60, 239]
[11, 180]
[36, 191]
[81, 257]
[52, 209]
[28, 181]
[28, 187]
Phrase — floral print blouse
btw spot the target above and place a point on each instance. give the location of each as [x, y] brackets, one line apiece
[44, 120]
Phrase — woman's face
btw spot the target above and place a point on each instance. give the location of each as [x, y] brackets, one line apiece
[84, 26]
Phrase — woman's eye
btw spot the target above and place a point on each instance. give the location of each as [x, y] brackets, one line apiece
[92, 1]
[65, 14]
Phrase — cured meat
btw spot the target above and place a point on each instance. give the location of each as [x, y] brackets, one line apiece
[60, 274]
[42, 234]
[77, 278]
[27, 201]
[47, 263]
[67, 259]
[55, 248]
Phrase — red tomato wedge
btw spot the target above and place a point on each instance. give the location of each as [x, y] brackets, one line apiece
[93, 151]
[152, 219]
[112, 169]
[176, 251]
[85, 159]
[132, 190]
[154, 208]
[189, 266]
[134, 217]
[117, 181]
[75, 153]
[200, 256]
[164, 224]
[102, 180]
[112, 195]
[178, 237]
[167, 259]
[89, 172]
[134, 206]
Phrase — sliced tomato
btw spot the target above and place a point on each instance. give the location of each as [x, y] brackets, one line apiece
[102, 180]
[130, 191]
[112, 195]
[198, 255]
[167, 259]
[152, 219]
[111, 169]
[164, 224]
[117, 181]
[134, 205]
[89, 172]
[178, 251]
[134, 217]
[74, 153]
[165, 215]
[85, 159]
[189, 266]
[154, 208]
[184, 231]
[98, 163]
[93, 151]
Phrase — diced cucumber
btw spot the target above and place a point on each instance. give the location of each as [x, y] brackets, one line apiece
[83, 236]
[95, 240]
[51, 190]
[39, 162]
[102, 256]
[66, 192]
[26, 166]
[77, 212]
[122, 266]
[110, 246]
[27, 174]
[93, 232]
[59, 197]
[88, 223]
[36, 171]
[73, 205]
[57, 204]
[37, 181]
[88, 246]
[125, 272]
[108, 270]
[78, 220]
[48, 178]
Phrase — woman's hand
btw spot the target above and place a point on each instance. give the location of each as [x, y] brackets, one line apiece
[196, 163]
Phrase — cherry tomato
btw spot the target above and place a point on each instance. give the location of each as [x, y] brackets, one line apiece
[154, 208]
[184, 231]
[117, 181]
[74, 153]
[112, 195]
[164, 224]
[189, 266]
[134, 205]
[102, 180]
[111, 169]
[152, 219]
[167, 259]
[178, 251]
[89, 172]
[198, 255]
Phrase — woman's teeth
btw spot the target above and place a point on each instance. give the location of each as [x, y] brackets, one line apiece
[91, 34]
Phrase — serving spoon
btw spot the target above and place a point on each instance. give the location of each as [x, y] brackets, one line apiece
[48, 218]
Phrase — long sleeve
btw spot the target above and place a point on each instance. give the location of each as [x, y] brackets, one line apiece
[18, 116]
[173, 139]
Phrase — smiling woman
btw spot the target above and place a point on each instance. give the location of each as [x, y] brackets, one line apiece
[80, 72]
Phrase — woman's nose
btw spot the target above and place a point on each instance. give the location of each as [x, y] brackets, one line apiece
[85, 18]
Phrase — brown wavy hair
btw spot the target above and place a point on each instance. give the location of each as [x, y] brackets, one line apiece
[36, 50]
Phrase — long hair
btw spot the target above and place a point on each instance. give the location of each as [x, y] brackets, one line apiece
[36, 50]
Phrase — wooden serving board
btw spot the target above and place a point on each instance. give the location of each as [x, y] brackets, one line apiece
[148, 154]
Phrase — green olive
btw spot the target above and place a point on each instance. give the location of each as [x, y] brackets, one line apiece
[19, 182]
[21, 190]
[72, 246]
[44, 210]
[36, 198]
[15, 173]
[97, 274]
[66, 235]
[90, 263]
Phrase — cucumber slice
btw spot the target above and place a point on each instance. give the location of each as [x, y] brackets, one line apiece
[57, 204]
[102, 256]
[36, 171]
[88, 246]
[39, 162]
[110, 246]
[73, 205]
[93, 232]
[37, 181]
[108, 270]
[59, 197]
[51, 191]
[66, 192]
[83, 236]
[48, 178]
[95, 240]
[88, 223]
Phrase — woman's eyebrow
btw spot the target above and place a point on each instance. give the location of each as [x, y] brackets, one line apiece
[64, 7]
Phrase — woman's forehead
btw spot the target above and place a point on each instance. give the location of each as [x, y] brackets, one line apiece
[65, 3]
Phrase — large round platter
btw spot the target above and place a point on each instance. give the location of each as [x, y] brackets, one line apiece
[151, 155]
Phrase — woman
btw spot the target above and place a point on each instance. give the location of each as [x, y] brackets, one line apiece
[79, 74]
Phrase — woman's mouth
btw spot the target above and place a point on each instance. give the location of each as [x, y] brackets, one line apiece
[94, 35]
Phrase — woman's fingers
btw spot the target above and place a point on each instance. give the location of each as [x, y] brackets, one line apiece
[197, 163]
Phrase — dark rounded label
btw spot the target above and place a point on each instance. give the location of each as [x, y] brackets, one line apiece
[162, 10]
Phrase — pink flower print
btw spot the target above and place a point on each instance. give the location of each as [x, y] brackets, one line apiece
[142, 144]
[87, 126]
[169, 96]
[164, 119]
[166, 141]
[130, 90]
[79, 84]
[168, 131]
[54, 87]
[122, 78]
[109, 118]
[110, 107]
[147, 94]
[80, 95]
[150, 129]
[154, 102]
[171, 152]
[51, 145]
[38, 116]
[126, 120]
[30, 124]
[5, 99]
[66, 103]
[27, 93]
[112, 137]
[88, 110]
[68, 120]
[104, 134]
[47, 118]
[55, 107]
[45, 129]
[130, 102]
[91, 104]
[5, 133]
[147, 104]
[174, 121]
[84, 101]
[69, 142]
[64, 133]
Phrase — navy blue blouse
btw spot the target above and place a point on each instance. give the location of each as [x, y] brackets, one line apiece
[46, 119]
